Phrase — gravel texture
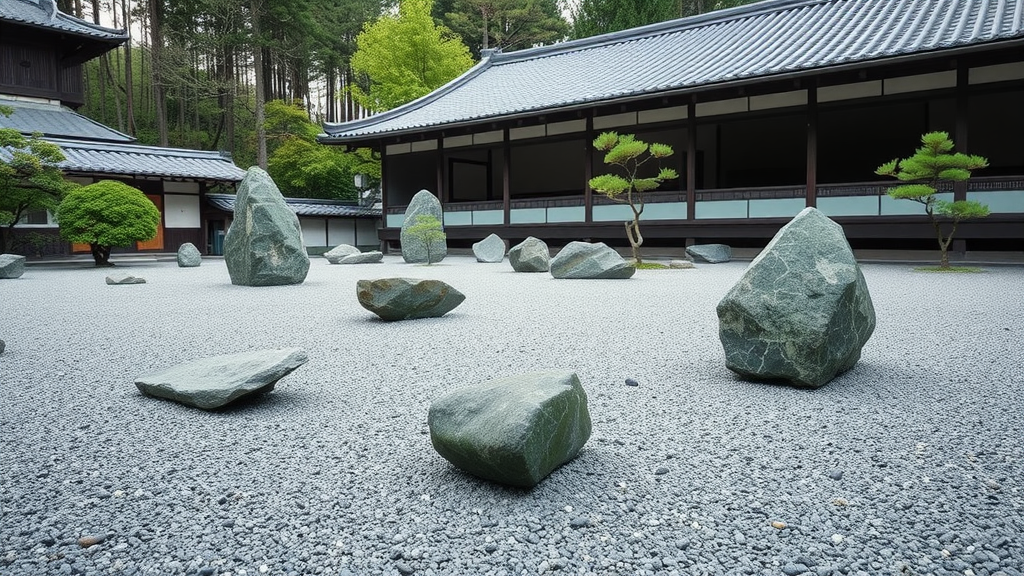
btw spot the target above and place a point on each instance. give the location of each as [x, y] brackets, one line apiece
[911, 463]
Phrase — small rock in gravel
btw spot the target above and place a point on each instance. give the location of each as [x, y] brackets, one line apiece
[778, 525]
[794, 569]
[91, 540]
[47, 541]
[404, 568]
[491, 548]
[660, 471]
[2, 346]
[207, 571]
[631, 382]
[837, 538]
[222, 500]
[579, 522]
[836, 474]
[739, 538]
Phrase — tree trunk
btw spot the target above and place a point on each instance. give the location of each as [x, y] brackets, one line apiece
[101, 255]
[156, 48]
[129, 80]
[261, 88]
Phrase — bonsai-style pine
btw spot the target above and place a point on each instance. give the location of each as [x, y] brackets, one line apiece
[427, 230]
[107, 214]
[629, 154]
[934, 163]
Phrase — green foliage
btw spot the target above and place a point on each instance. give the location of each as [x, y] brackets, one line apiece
[508, 24]
[107, 213]
[406, 56]
[629, 154]
[933, 163]
[427, 230]
[593, 17]
[304, 169]
[30, 178]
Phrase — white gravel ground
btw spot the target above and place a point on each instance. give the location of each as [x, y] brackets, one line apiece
[911, 463]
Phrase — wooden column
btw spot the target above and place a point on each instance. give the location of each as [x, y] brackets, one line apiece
[506, 179]
[588, 169]
[442, 194]
[960, 138]
[691, 159]
[812, 146]
[383, 194]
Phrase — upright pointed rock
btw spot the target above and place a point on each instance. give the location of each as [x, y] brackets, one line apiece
[264, 246]
[413, 250]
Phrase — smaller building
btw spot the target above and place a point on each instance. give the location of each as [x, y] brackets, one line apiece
[325, 223]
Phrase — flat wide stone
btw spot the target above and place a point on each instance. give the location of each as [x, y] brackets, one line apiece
[210, 383]
[363, 258]
[124, 278]
[801, 312]
[513, 430]
[336, 254]
[407, 298]
[710, 253]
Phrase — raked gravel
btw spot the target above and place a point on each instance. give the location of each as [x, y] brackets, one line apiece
[911, 463]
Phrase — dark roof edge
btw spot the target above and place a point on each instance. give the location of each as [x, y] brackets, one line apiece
[675, 25]
[135, 146]
[677, 91]
[466, 76]
[118, 34]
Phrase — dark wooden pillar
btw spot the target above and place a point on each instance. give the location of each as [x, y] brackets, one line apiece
[383, 194]
[442, 193]
[588, 169]
[506, 176]
[960, 139]
[812, 146]
[691, 159]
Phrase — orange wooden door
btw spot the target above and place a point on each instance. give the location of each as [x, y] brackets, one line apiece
[77, 248]
[157, 243]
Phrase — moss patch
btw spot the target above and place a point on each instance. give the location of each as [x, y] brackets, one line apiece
[651, 266]
[951, 269]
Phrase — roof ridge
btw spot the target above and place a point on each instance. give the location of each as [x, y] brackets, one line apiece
[129, 146]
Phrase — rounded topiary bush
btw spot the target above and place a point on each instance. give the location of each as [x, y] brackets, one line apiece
[106, 214]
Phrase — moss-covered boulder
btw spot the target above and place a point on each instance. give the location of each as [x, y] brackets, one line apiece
[513, 430]
[801, 312]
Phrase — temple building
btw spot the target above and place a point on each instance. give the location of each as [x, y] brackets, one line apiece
[770, 107]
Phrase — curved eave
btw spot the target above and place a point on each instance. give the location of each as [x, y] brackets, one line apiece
[632, 97]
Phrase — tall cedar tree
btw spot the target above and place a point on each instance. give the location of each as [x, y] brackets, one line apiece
[931, 165]
[503, 24]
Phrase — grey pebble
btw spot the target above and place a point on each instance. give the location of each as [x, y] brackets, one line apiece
[661, 470]
[631, 382]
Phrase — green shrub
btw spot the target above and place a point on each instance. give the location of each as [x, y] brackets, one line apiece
[107, 214]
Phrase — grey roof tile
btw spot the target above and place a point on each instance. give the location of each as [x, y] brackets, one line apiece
[44, 14]
[759, 40]
[138, 160]
[305, 206]
[56, 121]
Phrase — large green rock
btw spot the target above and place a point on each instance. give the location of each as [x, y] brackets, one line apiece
[407, 298]
[189, 256]
[513, 430]
[590, 260]
[264, 247]
[801, 312]
[210, 383]
[530, 255]
[413, 250]
[11, 266]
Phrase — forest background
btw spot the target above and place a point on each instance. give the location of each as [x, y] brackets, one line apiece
[257, 78]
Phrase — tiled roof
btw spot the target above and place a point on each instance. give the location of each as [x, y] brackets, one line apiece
[44, 14]
[56, 121]
[305, 206]
[756, 41]
[138, 160]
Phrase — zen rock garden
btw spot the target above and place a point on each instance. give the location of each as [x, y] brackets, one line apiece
[529, 415]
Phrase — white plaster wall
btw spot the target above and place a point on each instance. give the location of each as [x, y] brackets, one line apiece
[341, 231]
[181, 211]
[314, 231]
